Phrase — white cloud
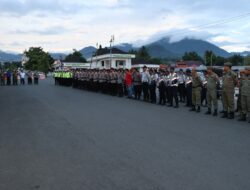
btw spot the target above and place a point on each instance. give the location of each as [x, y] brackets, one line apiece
[61, 25]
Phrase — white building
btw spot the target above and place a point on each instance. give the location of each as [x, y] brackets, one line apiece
[140, 63]
[114, 58]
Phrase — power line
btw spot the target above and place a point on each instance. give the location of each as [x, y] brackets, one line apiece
[219, 22]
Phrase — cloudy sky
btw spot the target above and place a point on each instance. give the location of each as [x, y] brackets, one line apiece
[61, 25]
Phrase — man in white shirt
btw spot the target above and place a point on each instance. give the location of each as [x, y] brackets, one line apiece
[22, 76]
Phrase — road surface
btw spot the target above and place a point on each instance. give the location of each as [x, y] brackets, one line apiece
[59, 138]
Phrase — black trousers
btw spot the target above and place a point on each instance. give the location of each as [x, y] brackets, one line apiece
[203, 95]
[145, 88]
[120, 90]
[189, 95]
[162, 93]
[182, 92]
[138, 90]
[174, 95]
[152, 89]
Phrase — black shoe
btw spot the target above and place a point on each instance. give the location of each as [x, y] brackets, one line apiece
[208, 112]
[176, 106]
[222, 111]
[225, 114]
[243, 117]
[170, 105]
[192, 109]
[231, 115]
[215, 113]
[198, 109]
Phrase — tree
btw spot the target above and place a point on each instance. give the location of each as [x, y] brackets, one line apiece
[219, 61]
[191, 56]
[236, 59]
[38, 60]
[76, 56]
[143, 53]
[210, 58]
[247, 60]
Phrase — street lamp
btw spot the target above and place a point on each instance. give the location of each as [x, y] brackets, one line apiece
[111, 43]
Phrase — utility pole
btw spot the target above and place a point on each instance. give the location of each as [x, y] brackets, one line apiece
[111, 44]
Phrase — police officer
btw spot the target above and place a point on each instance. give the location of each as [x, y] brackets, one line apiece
[162, 88]
[196, 91]
[173, 79]
[212, 80]
[245, 95]
[137, 84]
[228, 88]
[188, 86]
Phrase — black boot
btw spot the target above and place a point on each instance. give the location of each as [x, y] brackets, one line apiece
[215, 113]
[243, 117]
[192, 109]
[231, 115]
[198, 109]
[224, 114]
[208, 111]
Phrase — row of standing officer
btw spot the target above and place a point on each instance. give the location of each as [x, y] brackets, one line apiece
[112, 81]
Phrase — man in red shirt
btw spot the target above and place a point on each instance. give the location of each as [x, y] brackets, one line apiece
[128, 82]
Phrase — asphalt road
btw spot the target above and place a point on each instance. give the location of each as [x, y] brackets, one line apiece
[59, 138]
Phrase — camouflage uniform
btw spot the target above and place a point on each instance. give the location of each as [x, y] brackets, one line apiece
[196, 93]
[212, 93]
[228, 88]
[245, 95]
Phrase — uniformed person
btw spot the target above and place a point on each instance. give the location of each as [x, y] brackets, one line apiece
[152, 85]
[245, 95]
[196, 91]
[228, 88]
[188, 86]
[161, 84]
[136, 76]
[212, 80]
[173, 80]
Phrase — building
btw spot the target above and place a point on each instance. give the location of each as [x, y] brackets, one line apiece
[58, 65]
[139, 63]
[106, 58]
[188, 64]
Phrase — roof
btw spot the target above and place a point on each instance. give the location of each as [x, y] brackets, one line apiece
[104, 51]
[140, 61]
[188, 64]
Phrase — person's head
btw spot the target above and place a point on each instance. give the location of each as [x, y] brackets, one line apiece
[181, 71]
[145, 68]
[194, 72]
[172, 69]
[247, 71]
[188, 71]
[227, 66]
[209, 70]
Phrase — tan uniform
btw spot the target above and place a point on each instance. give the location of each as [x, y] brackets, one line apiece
[212, 91]
[196, 91]
[245, 95]
[229, 83]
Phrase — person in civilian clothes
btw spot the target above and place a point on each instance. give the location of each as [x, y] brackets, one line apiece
[128, 82]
